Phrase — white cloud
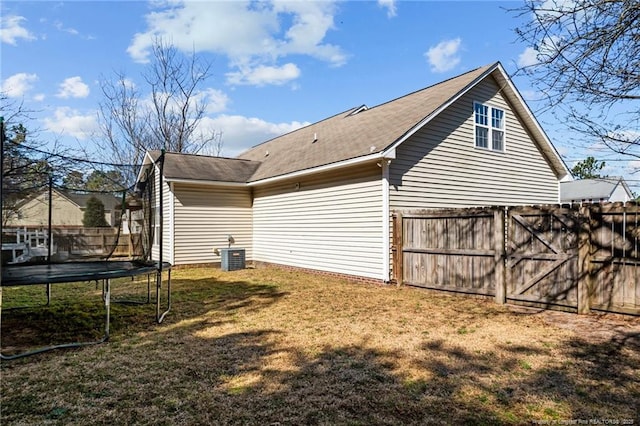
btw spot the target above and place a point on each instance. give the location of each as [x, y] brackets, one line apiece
[528, 57]
[311, 22]
[531, 95]
[533, 55]
[444, 56]
[18, 85]
[633, 166]
[73, 87]
[69, 122]
[11, 30]
[216, 100]
[390, 5]
[241, 133]
[128, 83]
[60, 27]
[263, 75]
[250, 34]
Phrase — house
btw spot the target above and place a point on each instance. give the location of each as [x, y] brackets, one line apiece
[609, 189]
[321, 197]
[68, 209]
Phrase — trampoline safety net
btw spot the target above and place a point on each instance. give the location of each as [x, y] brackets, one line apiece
[58, 209]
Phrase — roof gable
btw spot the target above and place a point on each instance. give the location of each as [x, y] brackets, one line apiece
[357, 132]
[355, 135]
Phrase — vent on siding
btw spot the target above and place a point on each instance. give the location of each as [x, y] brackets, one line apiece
[232, 259]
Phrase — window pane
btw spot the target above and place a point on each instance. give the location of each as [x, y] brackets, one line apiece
[482, 137]
[497, 118]
[497, 140]
[482, 114]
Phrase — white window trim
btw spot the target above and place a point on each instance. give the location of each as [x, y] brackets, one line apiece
[489, 126]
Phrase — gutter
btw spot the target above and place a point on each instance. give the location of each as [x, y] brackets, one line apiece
[383, 155]
[204, 182]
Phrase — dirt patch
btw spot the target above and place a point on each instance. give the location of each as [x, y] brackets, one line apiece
[594, 327]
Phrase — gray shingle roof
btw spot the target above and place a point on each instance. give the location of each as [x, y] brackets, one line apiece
[588, 189]
[346, 135]
[200, 167]
[108, 201]
[352, 134]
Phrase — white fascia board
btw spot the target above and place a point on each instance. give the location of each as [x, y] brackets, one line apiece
[517, 95]
[626, 188]
[327, 167]
[147, 160]
[203, 182]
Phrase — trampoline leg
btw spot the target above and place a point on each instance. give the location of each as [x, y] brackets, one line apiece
[106, 297]
[107, 308]
[159, 316]
[1, 356]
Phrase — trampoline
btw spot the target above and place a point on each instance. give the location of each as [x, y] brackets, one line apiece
[105, 271]
[117, 233]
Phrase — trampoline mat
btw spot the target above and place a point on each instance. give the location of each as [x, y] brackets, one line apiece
[14, 275]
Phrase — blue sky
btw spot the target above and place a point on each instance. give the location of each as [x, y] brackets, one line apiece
[276, 65]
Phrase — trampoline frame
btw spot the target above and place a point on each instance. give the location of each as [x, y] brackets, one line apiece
[73, 272]
[105, 274]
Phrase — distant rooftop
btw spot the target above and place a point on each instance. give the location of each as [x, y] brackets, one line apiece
[591, 189]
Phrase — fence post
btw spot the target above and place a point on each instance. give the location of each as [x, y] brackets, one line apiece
[397, 248]
[584, 261]
[499, 256]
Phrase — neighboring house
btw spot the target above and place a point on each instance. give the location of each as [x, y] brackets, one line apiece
[321, 197]
[610, 189]
[68, 209]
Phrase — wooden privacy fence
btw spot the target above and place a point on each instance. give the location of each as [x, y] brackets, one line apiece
[572, 258]
[97, 241]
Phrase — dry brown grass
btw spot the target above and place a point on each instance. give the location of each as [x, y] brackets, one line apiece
[270, 346]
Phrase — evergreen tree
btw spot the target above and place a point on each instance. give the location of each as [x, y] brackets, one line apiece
[94, 214]
[589, 168]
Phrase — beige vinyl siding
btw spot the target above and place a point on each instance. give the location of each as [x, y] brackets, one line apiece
[440, 166]
[167, 221]
[64, 212]
[331, 222]
[35, 212]
[167, 199]
[204, 217]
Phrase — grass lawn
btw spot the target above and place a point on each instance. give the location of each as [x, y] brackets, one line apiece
[276, 347]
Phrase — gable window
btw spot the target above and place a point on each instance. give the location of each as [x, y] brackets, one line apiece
[489, 127]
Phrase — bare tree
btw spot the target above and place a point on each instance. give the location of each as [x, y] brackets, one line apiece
[587, 66]
[168, 116]
[27, 167]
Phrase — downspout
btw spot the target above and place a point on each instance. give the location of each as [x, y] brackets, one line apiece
[386, 224]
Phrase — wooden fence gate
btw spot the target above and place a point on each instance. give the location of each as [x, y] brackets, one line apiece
[571, 258]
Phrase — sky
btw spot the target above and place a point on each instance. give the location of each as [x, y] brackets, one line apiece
[276, 66]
